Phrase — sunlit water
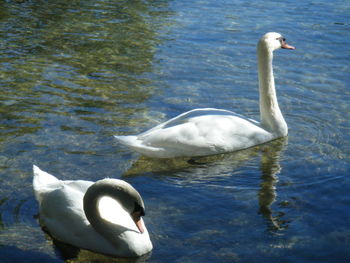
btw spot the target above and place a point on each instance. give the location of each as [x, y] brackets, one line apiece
[74, 73]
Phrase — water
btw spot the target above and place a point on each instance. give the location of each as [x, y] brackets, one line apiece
[74, 73]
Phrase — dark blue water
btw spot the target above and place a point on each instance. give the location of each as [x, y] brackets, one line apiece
[75, 73]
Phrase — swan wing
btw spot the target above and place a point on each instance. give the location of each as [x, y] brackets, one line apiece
[44, 182]
[187, 116]
[207, 134]
[59, 200]
[62, 213]
[199, 132]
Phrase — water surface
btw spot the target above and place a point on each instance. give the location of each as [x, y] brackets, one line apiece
[74, 73]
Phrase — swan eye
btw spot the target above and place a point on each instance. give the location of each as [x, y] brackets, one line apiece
[281, 39]
[139, 209]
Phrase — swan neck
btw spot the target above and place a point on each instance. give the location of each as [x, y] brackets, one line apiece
[110, 231]
[271, 117]
[91, 204]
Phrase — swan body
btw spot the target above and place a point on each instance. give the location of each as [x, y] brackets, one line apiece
[104, 217]
[208, 131]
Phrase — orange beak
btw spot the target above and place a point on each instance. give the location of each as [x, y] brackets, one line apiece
[139, 225]
[286, 46]
[136, 216]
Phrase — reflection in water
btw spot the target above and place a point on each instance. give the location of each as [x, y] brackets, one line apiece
[202, 168]
[54, 63]
[270, 167]
[76, 255]
[209, 169]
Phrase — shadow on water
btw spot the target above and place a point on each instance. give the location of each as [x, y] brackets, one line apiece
[13, 254]
[76, 255]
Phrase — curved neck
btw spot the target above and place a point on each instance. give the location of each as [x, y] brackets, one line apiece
[110, 231]
[270, 113]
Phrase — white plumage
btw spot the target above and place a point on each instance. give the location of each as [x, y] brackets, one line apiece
[61, 205]
[207, 131]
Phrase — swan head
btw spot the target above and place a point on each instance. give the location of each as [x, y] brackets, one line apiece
[272, 41]
[121, 191]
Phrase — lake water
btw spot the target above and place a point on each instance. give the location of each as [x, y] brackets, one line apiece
[75, 73]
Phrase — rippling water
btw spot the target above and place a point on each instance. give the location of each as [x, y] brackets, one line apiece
[74, 73]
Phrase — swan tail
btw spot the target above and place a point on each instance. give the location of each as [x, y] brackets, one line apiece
[127, 140]
[134, 143]
[40, 181]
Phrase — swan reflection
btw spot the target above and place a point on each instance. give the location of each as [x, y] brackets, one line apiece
[212, 170]
[270, 168]
[76, 255]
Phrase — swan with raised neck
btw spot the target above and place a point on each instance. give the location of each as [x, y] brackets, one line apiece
[270, 114]
[208, 131]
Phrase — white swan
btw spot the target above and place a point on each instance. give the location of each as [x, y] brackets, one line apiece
[104, 217]
[207, 131]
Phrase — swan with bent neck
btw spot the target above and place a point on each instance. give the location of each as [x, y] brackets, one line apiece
[208, 131]
[104, 217]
